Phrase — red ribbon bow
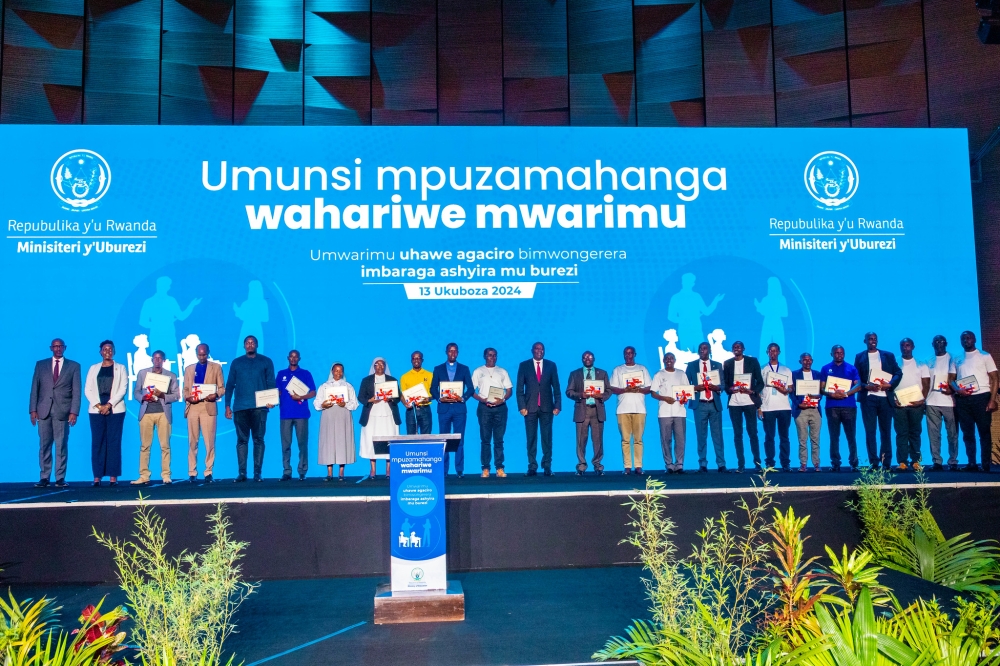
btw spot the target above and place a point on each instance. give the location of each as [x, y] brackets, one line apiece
[741, 385]
[591, 391]
[632, 383]
[942, 386]
[683, 396]
[196, 392]
[383, 394]
[149, 393]
[778, 383]
[809, 401]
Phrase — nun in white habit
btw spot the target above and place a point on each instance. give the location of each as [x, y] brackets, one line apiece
[336, 426]
[378, 417]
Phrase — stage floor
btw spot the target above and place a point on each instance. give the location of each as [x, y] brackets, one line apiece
[512, 617]
[469, 487]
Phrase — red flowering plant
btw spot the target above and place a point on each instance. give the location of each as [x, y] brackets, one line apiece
[103, 630]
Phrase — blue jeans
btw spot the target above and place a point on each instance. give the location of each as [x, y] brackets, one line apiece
[877, 410]
[492, 426]
[783, 419]
[706, 416]
[453, 421]
[421, 422]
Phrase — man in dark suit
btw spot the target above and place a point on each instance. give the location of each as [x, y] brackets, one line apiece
[53, 405]
[588, 412]
[707, 407]
[878, 402]
[744, 401]
[453, 412]
[539, 399]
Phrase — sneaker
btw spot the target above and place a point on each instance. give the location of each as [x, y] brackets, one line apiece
[817, 469]
[703, 470]
[257, 479]
[532, 472]
[460, 475]
[192, 479]
[972, 467]
[638, 471]
[854, 469]
[42, 483]
[873, 467]
[802, 468]
[284, 477]
[547, 472]
[835, 469]
[953, 468]
[579, 472]
[902, 467]
[168, 482]
[61, 483]
[486, 474]
[723, 470]
[757, 469]
[599, 472]
[917, 466]
[240, 479]
[139, 482]
[208, 478]
[501, 474]
[679, 470]
[302, 477]
[786, 469]
[740, 469]
[936, 467]
[627, 471]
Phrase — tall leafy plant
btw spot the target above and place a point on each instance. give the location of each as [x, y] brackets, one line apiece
[29, 635]
[183, 606]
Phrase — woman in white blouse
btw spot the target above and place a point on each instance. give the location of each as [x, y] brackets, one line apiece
[105, 388]
[335, 399]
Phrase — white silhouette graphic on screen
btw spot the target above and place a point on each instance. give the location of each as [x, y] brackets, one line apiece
[715, 340]
[158, 314]
[774, 308]
[253, 312]
[404, 541]
[141, 359]
[683, 357]
[414, 540]
[686, 309]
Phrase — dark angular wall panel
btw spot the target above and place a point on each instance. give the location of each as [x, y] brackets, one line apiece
[43, 61]
[268, 77]
[470, 62]
[122, 62]
[196, 85]
[739, 63]
[668, 63]
[338, 62]
[601, 62]
[535, 67]
[404, 62]
[810, 63]
[885, 51]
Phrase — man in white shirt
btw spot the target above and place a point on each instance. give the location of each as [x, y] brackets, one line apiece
[631, 383]
[908, 417]
[775, 408]
[744, 401]
[492, 411]
[975, 401]
[941, 405]
[878, 405]
[672, 412]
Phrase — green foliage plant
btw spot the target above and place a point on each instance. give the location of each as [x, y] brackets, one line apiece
[794, 577]
[29, 635]
[182, 606]
[853, 571]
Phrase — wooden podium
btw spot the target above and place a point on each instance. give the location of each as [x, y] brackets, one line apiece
[420, 590]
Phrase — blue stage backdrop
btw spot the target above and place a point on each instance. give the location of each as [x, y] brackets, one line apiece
[353, 243]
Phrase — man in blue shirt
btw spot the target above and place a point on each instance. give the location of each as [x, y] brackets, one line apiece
[295, 414]
[248, 374]
[840, 381]
[453, 412]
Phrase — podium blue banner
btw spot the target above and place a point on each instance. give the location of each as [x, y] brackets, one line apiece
[418, 528]
[351, 243]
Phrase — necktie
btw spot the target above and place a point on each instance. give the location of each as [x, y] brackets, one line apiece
[704, 368]
[55, 372]
[590, 375]
[538, 374]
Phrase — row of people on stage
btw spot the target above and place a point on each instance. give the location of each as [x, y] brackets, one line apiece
[951, 391]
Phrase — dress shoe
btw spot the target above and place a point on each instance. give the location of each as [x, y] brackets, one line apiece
[257, 479]
[532, 472]
[670, 470]
[486, 474]
[723, 470]
[209, 479]
[835, 468]
[501, 474]
[284, 477]
[854, 469]
[986, 469]
[97, 484]
[817, 468]
[951, 468]
[460, 475]
[42, 483]
[112, 483]
[627, 471]
[757, 469]
[140, 482]
[242, 478]
[329, 478]
[599, 472]
[936, 467]
[916, 467]
[740, 469]
[192, 479]
[902, 467]
[972, 467]
[638, 471]
[302, 477]
[61, 483]
[579, 472]
[703, 470]
[679, 470]
[168, 482]
[547, 472]
[873, 467]
[786, 469]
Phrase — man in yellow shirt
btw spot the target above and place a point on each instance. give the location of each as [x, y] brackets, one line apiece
[417, 416]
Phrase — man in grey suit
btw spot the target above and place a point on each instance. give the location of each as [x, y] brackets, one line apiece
[589, 412]
[707, 407]
[53, 406]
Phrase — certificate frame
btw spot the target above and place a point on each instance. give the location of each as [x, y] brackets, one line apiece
[496, 393]
[909, 395]
[807, 387]
[451, 390]
[387, 390]
[161, 382]
[742, 380]
[593, 388]
[266, 397]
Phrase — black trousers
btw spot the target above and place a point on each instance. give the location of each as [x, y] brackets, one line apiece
[492, 426]
[250, 422]
[738, 415]
[534, 422]
[848, 416]
[876, 414]
[972, 416]
[908, 421]
[780, 420]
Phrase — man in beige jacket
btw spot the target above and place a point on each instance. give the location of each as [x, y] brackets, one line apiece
[201, 409]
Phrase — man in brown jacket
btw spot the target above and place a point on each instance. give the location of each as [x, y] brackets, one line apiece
[201, 410]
